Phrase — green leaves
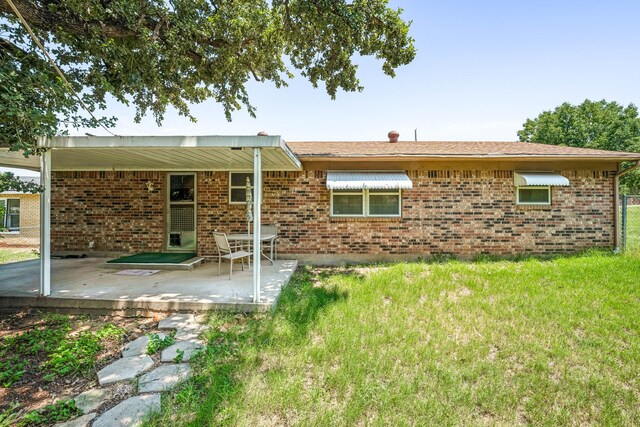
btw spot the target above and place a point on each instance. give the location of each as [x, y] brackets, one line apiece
[60, 411]
[593, 124]
[9, 182]
[156, 343]
[65, 353]
[158, 54]
[601, 125]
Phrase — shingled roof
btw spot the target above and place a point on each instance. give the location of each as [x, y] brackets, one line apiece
[453, 149]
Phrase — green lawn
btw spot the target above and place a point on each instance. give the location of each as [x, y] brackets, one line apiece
[633, 228]
[537, 342]
[15, 255]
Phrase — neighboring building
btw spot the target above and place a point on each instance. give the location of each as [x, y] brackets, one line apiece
[333, 201]
[20, 220]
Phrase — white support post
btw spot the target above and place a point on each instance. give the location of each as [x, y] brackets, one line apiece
[45, 224]
[257, 203]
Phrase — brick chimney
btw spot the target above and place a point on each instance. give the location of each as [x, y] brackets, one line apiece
[393, 136]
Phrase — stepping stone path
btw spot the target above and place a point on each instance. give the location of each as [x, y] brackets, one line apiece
[138, 347]
[134, 362]
[123, 369]
[92, 399]
[82, 421]
[164, 377]
[186, 348]
[130, 412]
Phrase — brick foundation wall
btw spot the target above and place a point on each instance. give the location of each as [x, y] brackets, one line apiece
[459, 212]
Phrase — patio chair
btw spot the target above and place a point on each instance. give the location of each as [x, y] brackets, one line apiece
[271, 229]
[226, 251]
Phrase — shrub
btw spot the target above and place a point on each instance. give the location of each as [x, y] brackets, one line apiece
[156, 343]
[60, 411]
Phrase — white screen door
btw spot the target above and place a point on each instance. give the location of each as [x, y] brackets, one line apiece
[181, 212]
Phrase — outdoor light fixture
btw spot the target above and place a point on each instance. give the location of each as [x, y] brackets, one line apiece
[149, 185]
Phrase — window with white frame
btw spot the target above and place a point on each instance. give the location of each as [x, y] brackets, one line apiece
[538, 195]
[366, 203]
[238, 186]
[10, 209]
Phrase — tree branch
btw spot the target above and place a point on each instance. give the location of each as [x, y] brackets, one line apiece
[41, 17]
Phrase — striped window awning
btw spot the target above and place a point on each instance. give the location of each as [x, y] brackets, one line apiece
[523, 179]
[368, 181]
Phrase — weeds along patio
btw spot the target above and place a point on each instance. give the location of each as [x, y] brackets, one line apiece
[88, 285]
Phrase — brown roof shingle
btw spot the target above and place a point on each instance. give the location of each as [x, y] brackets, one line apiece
[439, 149]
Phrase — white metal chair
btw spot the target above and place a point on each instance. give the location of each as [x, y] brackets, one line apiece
[226, 251]
[271, 229]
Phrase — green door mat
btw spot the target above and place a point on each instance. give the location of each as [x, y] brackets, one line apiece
[153, 258]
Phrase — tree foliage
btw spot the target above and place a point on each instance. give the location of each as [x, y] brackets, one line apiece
[593, 124]
[154, 54]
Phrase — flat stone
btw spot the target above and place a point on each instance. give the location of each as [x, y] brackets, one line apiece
[165, 377]
[124, 369]
[179, 320]
[189, 347]
[138, 347]
[91, 400]
[130, 412]
[190, 332]
[82, 421]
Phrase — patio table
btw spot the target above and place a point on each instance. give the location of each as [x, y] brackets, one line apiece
[264, 237]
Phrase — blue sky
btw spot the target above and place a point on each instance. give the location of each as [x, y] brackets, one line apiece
[482, 69]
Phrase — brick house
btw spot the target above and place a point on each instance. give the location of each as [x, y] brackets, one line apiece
[461, 198]
[20, 218]
[331, 201]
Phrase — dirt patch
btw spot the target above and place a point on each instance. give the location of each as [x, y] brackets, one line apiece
[34, 390]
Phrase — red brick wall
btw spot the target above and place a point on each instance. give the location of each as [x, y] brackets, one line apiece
[112, 209]
[459, 212]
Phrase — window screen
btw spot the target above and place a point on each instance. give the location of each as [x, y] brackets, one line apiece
[348, 204]
[182, 218]
[534, 195]
[384, 204]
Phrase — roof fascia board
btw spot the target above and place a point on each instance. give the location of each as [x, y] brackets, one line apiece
[291, 155]
[162, 141]
[444, 157]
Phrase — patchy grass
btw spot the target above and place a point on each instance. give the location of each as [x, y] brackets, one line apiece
[60, 411]
[47, 358]
[542, 342]
[15, 255]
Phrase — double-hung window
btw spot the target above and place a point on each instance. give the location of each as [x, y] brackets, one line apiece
[238, 187]
[10, 209]
[372, 203]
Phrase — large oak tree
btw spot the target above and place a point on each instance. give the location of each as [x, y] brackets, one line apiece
[153, 54]
[592, 124]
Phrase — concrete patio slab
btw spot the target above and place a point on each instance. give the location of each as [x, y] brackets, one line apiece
[86, 284]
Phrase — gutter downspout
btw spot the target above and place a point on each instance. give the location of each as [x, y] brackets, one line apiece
[616, 205]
